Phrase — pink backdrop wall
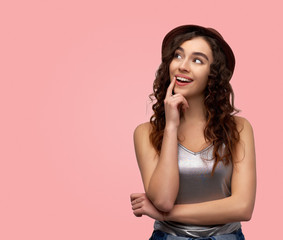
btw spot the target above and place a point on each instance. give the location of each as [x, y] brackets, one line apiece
[75, 78]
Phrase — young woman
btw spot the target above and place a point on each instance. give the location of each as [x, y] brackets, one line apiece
[196, 158]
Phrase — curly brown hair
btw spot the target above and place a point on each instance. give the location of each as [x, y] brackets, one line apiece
[220, 128]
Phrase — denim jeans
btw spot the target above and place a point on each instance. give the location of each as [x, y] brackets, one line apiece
[159, 235]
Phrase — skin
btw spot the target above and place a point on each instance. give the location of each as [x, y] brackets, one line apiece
[192, 59]
[160, 174]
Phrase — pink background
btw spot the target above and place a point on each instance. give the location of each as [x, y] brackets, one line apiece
[75, 79]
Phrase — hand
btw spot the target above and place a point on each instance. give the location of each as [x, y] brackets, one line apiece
[173, 104]
[141, 205]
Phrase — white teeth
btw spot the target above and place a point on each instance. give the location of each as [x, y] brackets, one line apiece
[183, 79]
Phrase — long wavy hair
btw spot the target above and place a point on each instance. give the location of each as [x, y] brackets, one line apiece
[220, 128]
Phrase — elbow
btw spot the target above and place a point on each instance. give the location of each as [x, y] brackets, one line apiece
[164, 206]
[246, 213]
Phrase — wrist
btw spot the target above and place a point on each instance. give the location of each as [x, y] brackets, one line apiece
[170, 128]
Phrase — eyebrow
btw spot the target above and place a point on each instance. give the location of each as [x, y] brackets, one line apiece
[194, 53]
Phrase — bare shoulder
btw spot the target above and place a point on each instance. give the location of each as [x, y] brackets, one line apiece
[145, 152]
[245, 148]
[143, 129]
[243, 125]
[141, 133]
[141, 138]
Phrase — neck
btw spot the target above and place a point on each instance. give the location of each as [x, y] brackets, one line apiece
[195, 112]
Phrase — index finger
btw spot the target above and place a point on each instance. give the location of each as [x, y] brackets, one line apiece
[170, 88]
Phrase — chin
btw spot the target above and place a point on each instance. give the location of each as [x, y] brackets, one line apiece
[181, 91]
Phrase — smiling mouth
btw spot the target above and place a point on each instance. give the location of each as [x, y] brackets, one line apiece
[183, 80]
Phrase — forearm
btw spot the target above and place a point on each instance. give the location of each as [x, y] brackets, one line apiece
[164, 183]
[220, 211]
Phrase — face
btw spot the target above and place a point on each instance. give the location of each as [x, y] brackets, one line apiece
[191, 67]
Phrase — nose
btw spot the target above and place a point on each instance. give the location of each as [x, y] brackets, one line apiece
[184, 66]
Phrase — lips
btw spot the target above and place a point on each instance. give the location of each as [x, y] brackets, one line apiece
[183, 80]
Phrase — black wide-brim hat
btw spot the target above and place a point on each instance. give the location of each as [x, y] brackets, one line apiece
[210, 32]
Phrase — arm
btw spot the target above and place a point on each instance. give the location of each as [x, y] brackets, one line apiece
[239, 206]
[161, 190]
[160, 174]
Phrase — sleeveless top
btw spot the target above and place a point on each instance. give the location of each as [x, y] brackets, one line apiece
[197, 185]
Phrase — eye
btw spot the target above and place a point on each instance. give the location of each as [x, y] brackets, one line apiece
[177, 55]
[197, 60]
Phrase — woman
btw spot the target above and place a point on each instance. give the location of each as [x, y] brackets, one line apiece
[196, 158]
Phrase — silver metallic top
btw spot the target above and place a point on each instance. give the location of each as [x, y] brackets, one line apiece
[198, 185]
